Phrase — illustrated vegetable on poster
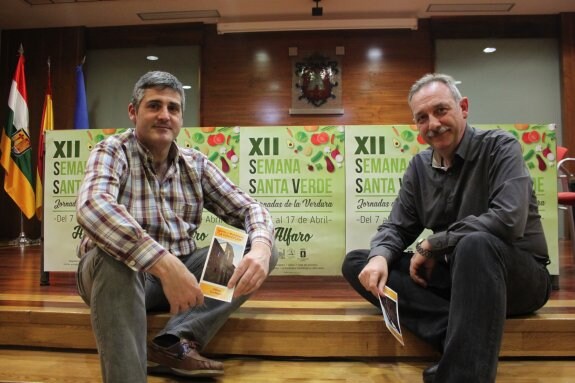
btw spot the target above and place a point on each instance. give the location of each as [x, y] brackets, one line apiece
[298, 172]
[221, 146]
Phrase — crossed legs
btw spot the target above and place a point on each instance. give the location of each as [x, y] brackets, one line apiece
[463, 311]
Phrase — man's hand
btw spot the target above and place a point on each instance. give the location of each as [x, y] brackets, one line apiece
[418, 264]
[252, 270]
[373, 277]
[179, 284]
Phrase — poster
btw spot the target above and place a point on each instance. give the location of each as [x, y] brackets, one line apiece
[378, 155]
[221, 146]
[327, 187]
[65, 161]
[299, 174]
[539, 145]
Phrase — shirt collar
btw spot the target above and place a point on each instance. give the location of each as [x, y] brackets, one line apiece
[145, 153]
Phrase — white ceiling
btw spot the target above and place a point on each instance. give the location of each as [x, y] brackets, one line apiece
[17, 14]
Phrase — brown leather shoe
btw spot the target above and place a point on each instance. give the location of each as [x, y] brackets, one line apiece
[181, 359]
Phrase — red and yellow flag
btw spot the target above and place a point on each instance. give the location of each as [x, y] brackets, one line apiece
[46, 124]
[16, 147]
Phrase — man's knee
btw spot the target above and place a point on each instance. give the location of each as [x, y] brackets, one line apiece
[353, 263]
[478, 250]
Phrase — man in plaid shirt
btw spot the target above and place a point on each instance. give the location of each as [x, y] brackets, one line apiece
[140, 204]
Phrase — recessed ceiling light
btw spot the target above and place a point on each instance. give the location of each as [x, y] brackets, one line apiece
[176, 15]
[187, 87]
[152, 58]
[492, 7]
[489, 49]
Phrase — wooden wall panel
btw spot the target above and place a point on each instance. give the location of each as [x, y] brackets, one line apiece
[568, 79]
[239, 87]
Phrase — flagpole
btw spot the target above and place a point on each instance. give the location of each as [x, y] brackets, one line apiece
[47, 123]
[17, 177]
[23, 240]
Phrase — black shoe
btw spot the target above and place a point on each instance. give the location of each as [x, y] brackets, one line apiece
[429, 374]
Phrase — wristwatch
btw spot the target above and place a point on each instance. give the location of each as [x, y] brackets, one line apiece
[421, 250]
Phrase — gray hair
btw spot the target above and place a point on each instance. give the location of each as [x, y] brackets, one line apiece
[157, 79]
[435, 77]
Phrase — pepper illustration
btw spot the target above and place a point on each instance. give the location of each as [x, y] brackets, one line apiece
[541, 163]
[329, 165]
[225, 165]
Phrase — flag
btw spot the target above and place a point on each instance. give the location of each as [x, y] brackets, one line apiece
[46, 124]
[16, 147]
[81, 112]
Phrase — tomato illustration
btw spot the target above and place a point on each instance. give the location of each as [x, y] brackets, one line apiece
[319, 138]
[216, 139]
[530, 137]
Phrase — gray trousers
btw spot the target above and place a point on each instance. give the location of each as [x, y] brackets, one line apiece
[119, 299]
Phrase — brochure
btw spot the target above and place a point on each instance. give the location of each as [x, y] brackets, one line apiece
[390, 313]
[225, 253]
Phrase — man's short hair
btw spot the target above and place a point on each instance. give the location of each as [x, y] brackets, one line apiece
[157, 79]
[435, 77]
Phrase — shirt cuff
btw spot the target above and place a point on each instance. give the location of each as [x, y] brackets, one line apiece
[439, 242]
[145, 254]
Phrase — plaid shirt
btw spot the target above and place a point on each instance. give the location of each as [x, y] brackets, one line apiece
[126, 211]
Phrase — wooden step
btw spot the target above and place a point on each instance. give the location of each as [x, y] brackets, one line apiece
[20, 366]
[293, 328]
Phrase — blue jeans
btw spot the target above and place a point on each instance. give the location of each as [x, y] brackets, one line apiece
[119, 299]
[462, 311]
